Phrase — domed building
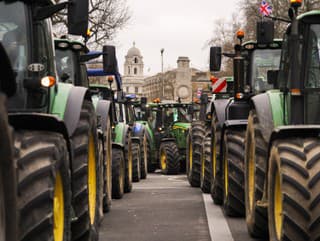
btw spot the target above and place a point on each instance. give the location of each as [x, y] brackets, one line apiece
[133, 72]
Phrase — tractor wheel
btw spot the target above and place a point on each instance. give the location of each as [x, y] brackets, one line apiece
[233, 172]
[169, 158]
[216, 181]
[256, 149]
[8, 181]
[194, 152]
[44, 188]
[85, 177]
[293, 189]
[118, 173]
[144, 157]
[107, 169]
[136, 174]
[205, 177]
[128, 163]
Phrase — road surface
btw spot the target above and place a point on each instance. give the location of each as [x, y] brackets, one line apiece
[166, 208]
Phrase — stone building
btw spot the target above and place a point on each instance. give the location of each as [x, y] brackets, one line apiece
[133, 76]
[182, 82]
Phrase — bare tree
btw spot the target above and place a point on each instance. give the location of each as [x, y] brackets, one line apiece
[106, 18]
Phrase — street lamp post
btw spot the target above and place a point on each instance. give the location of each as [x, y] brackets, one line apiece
[162, 79]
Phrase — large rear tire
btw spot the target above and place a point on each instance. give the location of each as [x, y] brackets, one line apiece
[294, 189]
[256, 149]
[216, 181]
[44, 188]
[233, 172]
[169, 158]
[8, 180]
[86, 176]
[118, 173]
[128, 163]
[136, 173]
[194, 152]
[206, 166]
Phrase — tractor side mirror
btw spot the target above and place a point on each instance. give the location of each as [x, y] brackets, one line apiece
[215, 58]
[265, 32]
[78, 15]
[272, 76]
[110, 64]
[7, 80]
[143, 100]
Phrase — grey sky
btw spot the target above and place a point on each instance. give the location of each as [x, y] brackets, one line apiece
[181, 27]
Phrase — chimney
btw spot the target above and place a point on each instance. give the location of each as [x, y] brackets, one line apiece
[183, 62]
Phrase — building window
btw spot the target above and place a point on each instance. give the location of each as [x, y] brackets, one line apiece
[127, 89]
[135, 60]
[128, 69]
[136, 90]
[135, 71]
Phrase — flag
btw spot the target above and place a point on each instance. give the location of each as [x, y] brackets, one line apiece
[265, 8]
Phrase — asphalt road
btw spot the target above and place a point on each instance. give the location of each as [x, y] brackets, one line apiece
[166, 208]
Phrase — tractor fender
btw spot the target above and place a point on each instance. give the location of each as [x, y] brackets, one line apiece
[73, 107]
[41, 122]
[126, 129]
[135, 139]
[103, 110]
[219, 106]
[290, 131]
[138, 130]
[167, 139]
[117, 145]
[261, 105]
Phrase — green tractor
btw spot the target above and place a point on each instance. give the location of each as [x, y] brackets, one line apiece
[71, 57]
[170, 123]
[8, 181]
[251, 61]
[282, 140]
[55, 137]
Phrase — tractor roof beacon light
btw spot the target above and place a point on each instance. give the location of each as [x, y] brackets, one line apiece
[110, 81]
[48, 81]
[296, 3]
[240, 35]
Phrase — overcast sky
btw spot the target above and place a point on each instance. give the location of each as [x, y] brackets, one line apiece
[181, 27]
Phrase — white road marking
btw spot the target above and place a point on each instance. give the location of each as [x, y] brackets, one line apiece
[218, 226]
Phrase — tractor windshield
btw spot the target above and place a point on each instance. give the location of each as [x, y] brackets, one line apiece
[313, 59]
[65, 65]
[262, 61]
[14, 36]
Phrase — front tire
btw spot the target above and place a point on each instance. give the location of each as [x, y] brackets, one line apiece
[216, 181]
[85, 177]
[294, 189]
[128, 163]
[206, 165]
[44, 189]
[169, 158]
[136, 174]
[118, 173]
[256, 149]
[233, 172]
[194, 152]
[144, 157]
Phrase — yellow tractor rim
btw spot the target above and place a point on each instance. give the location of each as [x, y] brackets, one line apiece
[251, 175]
[163, 160]
[92, 180]
[278, 220]
[190, 156]
[58, 209]
[202, 167]
[226, 174]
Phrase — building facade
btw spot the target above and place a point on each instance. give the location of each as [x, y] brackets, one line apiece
[182, 82]
[133, 76]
